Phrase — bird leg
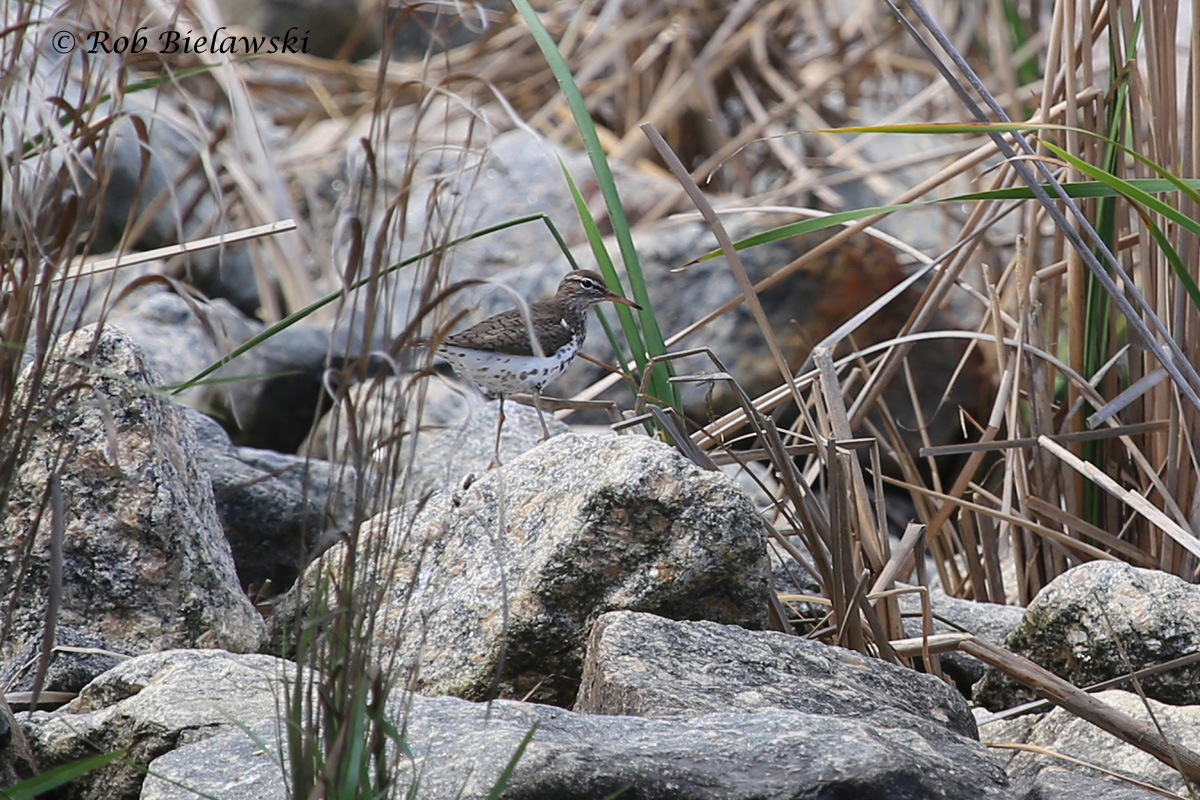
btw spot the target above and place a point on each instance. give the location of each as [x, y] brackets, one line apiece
[537, 403]
[499, 428]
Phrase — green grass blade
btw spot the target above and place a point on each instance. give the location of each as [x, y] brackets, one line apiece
[58, 776]
[1173, 259]
[1127, 189]
[809, 226]
[1079, 189]
[1145, 200]
[600, 252]
[506, 775]
[1188, 187]
[660, 385]
[969, 128]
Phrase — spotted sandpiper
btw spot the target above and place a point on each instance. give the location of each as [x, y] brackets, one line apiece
[499, 355]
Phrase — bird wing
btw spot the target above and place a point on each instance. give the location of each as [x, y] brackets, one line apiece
[509, 331]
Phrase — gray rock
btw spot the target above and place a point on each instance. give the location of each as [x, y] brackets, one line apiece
[151, 705]
[176, 201]
[278, 389]
[74, 661]
[87, 299]
[275, 508]
[1071, 628]
[432, 28]
[16, 759]
[145, 564]
[1043, 776]
[645, 665]
[179, 339]
[231, 766]
[1056, 782]
[497, 585]
[269, 396]
[459, 437]
[988, 621]
[464, 746]
[519, 175]
[455, 433]
[1008, 729]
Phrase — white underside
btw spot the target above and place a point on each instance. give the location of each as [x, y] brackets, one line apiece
[509, 374]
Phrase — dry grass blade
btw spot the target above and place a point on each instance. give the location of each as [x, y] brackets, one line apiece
[1083, 548]
[907, 545]
[793, 450]
[727, 249]
[54, 594]
[936, 644]
[872, 540]
[1171, 356]
[90, 267]
[1083, 705]
[1040, 507]
[40, 697]
[1155, 669]
[845, 573]
[1026, 442]
[1045, 751]
[1184, 538]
